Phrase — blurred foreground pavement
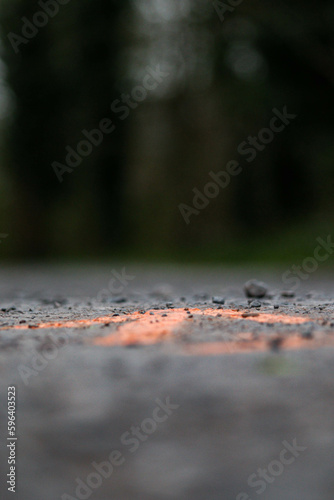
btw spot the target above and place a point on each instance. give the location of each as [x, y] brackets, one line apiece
[158, 420]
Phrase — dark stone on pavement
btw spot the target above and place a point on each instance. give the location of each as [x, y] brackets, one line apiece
[118, 300]
[256, 289]
[218, 300]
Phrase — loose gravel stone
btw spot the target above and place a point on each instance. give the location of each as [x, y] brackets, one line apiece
[118, 300]
[288, 294]
[256, 289]
[250, 315]
[218, 300]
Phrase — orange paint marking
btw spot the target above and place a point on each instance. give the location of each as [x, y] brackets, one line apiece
[293, 342]
[78, 323]
[146, 330]
[165, 324]
[261, 318]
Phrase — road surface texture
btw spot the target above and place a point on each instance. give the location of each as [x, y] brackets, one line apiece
[135, 384]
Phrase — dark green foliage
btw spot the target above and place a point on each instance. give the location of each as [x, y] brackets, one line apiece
[63, 81]
[226, 77]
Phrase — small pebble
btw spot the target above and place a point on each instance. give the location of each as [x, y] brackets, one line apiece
[250, 315]
[256, 289]
[118, 300]
[255, 303]
[218, 300]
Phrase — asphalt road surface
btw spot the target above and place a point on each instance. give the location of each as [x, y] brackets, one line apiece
[132, 383]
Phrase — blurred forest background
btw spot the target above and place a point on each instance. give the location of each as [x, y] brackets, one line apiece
[228, 68]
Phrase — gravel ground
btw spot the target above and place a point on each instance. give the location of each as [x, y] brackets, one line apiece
[152, 389]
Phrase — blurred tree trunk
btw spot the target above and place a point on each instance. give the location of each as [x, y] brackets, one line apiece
[63, 81]
[99, 70]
